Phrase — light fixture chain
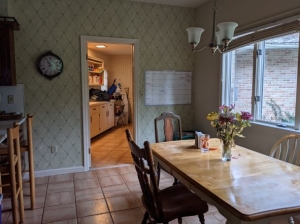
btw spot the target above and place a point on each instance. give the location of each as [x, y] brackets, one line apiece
[215, 5]
[213, 43]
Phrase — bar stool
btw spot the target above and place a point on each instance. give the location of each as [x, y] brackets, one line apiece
[15, 173]
[27, 146]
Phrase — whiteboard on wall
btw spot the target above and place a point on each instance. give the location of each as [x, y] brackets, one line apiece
[168, 87]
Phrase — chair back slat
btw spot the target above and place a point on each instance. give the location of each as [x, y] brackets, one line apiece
[147, 175]
[287, 149]
[169, 118]
[297, 159]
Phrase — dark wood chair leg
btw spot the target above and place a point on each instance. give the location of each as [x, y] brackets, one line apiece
[175, 181]
[201, 218]
[180, 220]
[146, 216]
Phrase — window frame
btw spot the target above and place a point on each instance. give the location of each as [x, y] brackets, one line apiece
[258, 39]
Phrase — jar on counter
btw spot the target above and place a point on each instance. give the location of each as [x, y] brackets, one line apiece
[96, 79]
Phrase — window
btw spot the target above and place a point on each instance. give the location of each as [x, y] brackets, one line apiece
[261, 77]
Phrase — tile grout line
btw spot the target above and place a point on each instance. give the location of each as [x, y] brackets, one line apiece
[75, 197]
[105, 199]
[44, 207]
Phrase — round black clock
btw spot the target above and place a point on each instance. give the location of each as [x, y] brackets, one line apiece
[49, 65]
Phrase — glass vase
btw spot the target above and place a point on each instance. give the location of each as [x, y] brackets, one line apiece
[226, 151]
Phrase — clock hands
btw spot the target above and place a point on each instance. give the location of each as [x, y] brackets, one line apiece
[50, 65]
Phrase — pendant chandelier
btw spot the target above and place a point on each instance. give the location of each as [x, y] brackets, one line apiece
[219, 39]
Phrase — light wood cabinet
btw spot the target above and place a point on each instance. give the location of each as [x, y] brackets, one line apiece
[94, 120]
[102, 117]
[111, 115]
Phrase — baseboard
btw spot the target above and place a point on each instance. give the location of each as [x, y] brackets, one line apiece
[44, 173]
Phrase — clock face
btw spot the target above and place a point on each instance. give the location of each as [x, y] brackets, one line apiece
[49, 65]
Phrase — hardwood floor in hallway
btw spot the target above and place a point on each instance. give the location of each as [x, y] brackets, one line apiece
[111, 148]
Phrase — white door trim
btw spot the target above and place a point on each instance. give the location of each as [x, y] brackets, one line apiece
[85, 90]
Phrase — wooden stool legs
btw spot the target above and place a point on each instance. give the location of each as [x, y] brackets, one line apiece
[31, 161]
[15, 174]
[28, 147]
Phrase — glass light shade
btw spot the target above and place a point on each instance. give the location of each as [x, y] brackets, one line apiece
[194, 34]
[227, 30]
[219, 40]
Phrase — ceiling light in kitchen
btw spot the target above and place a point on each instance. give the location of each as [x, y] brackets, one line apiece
[100, 46]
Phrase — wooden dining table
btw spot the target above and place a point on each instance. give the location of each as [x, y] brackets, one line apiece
[251, 188]
[4, 125]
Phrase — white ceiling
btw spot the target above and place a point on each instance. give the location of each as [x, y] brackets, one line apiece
[111, 49]
[119, 49]
[183, 3]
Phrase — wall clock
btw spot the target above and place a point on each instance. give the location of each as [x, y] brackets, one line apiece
[49, 65]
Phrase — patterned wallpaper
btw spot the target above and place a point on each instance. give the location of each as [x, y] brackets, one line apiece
[57, 25]
[3, 8]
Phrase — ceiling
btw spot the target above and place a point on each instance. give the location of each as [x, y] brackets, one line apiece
[120, 49]
[111, 49]
[183, 3]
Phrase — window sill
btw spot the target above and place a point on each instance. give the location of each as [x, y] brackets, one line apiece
[272, 128]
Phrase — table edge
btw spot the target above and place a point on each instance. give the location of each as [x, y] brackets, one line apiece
[238, 214]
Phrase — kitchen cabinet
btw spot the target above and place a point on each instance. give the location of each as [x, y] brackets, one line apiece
[94, 120]
[102, 117]
[95, 71]
[111, 115]
[7, 51]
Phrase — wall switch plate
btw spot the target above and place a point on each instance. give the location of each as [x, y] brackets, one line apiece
[10, 99]
[54, 149]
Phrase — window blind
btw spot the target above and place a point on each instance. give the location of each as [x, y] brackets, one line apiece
[260, 35]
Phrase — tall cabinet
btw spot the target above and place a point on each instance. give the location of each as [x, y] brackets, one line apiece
[7, 51]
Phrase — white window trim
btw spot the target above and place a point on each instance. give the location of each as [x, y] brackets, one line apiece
[283, 29]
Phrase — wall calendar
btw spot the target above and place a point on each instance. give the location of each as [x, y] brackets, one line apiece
[168, 87]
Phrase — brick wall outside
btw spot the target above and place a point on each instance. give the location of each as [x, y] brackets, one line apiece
[280, 80]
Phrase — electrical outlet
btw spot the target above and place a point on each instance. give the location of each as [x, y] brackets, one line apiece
[54, 149]
[10, 99]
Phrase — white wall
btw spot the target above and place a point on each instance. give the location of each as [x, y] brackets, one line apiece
[104, 57]
[121, 70]
[18, 94]
[248, 14]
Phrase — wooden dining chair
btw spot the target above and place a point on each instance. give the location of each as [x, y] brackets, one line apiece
[165, 205]
[287, 149]
[169, 118]
[15, 174]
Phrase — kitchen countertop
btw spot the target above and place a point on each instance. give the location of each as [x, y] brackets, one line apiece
[93, 103]
[8, 124]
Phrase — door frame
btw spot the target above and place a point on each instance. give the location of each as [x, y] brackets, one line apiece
[85, 89]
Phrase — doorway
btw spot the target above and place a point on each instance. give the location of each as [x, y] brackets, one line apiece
[87, 42]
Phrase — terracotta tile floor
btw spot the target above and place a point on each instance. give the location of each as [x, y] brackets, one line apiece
[103, 196]
[99, 196]
[111, 148]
